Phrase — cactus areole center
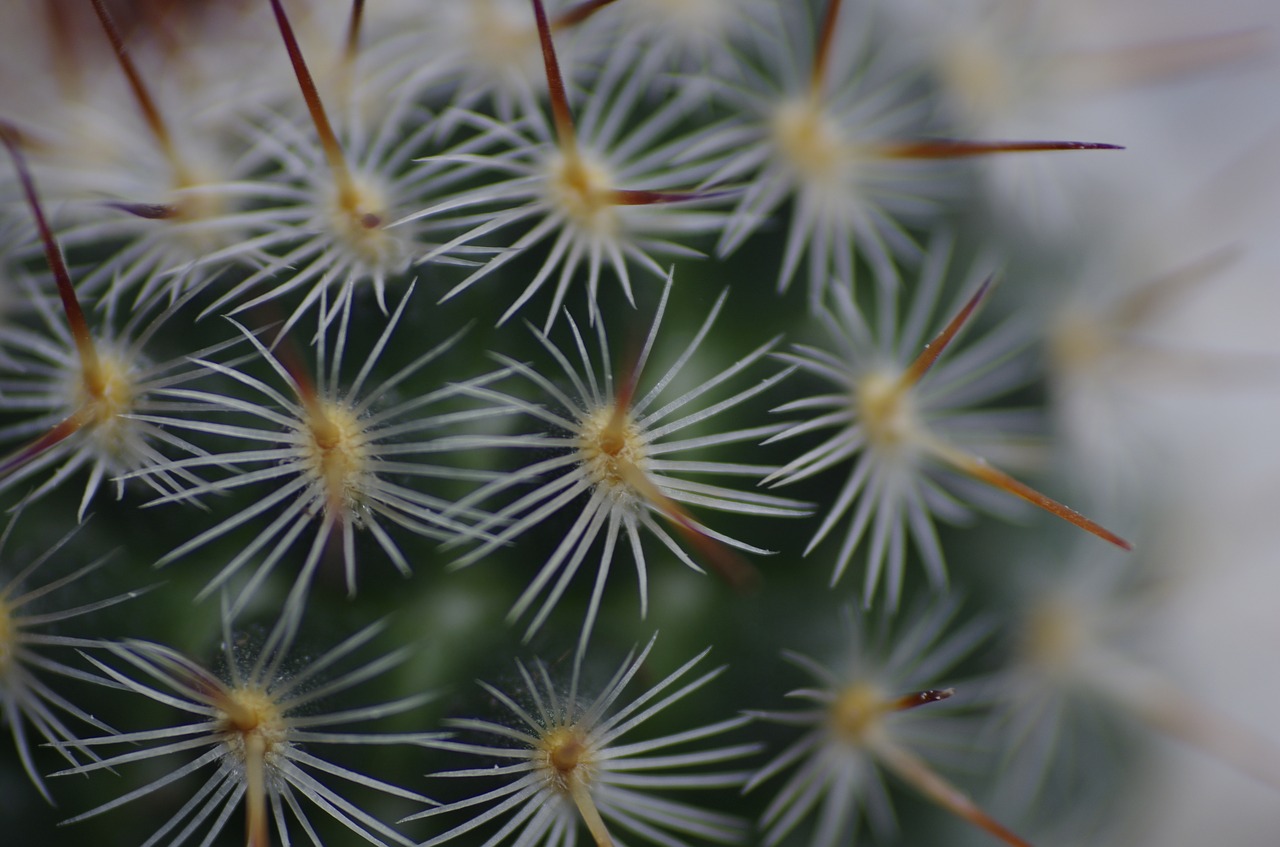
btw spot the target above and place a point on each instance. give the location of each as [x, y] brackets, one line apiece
[809, 142]
[251, 718]
[582, 190]
[885, 408]
[336, 451]
[857, 710]
[357, 212]
[567, 759]
[105, 396]
[610, 446]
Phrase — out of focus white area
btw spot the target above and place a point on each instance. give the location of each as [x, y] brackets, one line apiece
[1204, 175]
[1189, 390]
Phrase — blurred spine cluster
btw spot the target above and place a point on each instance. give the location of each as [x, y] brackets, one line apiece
[262, 266]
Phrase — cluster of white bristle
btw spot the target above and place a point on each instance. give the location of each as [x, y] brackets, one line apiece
[261, 265]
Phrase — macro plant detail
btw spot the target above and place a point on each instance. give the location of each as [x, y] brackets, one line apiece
[172, 197]
[612, 444]
[254, 724]
[88, 386]
[259, 265]
[482, 54]
[570, 766]
[27, 701]
[860, 723]
[689, 36]
[345, 205]
[333, 454]
[604, 199]
[858, 163]
[891, 414]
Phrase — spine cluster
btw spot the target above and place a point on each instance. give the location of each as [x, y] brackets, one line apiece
[783, 393]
